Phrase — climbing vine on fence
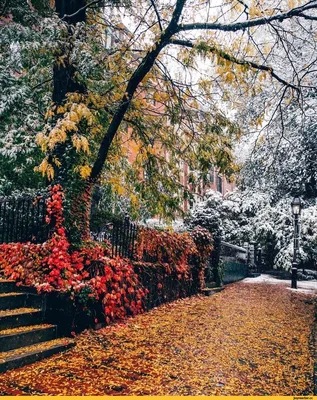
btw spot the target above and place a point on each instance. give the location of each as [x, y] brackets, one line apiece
[177, 264]
[89, 275]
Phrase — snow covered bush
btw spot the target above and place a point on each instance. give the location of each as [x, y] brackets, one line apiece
[227, 218]
[245, 216]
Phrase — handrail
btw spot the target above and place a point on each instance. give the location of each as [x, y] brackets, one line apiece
[235, 247]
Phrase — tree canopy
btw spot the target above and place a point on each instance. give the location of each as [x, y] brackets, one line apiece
[177, 81]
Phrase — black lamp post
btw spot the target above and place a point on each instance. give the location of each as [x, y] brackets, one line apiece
[296, 210]
[259, 256]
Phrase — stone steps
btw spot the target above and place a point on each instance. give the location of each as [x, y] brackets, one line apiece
[26, 355]
[13, 300]
[10, 286]
[20, 317]
[210, 285]
[210, 291]
[24, 337]
[11, 339]
[7, 286]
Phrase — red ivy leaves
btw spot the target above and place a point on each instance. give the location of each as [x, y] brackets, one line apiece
[171, 249]
[89, 273]
[54, 209]
[175, 251]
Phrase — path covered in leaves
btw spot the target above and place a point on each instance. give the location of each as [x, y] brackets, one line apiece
[250, 339]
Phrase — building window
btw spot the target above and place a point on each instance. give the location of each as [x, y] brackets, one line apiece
[219, 184]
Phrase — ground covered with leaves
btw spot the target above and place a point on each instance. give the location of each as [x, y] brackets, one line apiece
[250, 339]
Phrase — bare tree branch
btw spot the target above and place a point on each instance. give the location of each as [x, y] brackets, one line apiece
[309, 17]
[81, 9]
[42, 83]
[157, 14]
[235, 60]
[295, 12]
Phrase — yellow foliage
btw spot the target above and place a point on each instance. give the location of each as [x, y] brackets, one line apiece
[260, 140]
[75, 110]
[80, 142]
[157, 96]
[254, 12]
[68, 125]
[266, 49]
[49, 114]
[75, 98]
[291, 3]
[262, 76]
[60, 110]
[258, 121]
[50, 172]
[74, 117]
[85, 171]
[57, 135]
[229, 77]
[42, 141]
[95, 130]
[45, 168]
[250, 50]
[57, 162]
[117, 184]
[134, 200]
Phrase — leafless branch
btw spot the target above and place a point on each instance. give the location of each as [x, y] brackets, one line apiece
[295, 12]
[41, 83]
[157, 14]
[235, 60]
[311, 17]
[82, 9]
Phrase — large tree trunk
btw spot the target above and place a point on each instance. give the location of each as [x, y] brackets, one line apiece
[77, 211]
[77, 190]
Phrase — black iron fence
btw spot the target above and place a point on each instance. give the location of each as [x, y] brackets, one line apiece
[23, 220]
[230, 252]
[235, 262]
[122, 236]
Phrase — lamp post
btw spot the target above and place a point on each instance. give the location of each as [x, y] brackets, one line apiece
[296, 210]
[259, 258]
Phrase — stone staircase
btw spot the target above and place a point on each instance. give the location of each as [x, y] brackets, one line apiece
[211, 288]
[24, 337]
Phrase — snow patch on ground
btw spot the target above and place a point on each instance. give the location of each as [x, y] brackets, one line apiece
[308, 287]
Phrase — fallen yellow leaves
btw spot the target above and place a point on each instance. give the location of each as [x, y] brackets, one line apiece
[11, 294]
[247, 340]
[4, 313]
[23, 329]
[39, 347]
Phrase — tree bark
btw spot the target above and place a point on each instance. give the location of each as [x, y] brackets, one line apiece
[77, 191]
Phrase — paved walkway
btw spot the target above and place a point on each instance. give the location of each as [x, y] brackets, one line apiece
[309, 287]
[250, 339]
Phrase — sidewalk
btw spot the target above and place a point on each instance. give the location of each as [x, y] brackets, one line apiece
[251, 339]
[308, 287]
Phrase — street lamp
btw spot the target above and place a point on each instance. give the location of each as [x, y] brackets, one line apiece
[296, 210]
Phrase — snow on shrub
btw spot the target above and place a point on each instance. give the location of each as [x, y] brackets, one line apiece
[252, 216]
